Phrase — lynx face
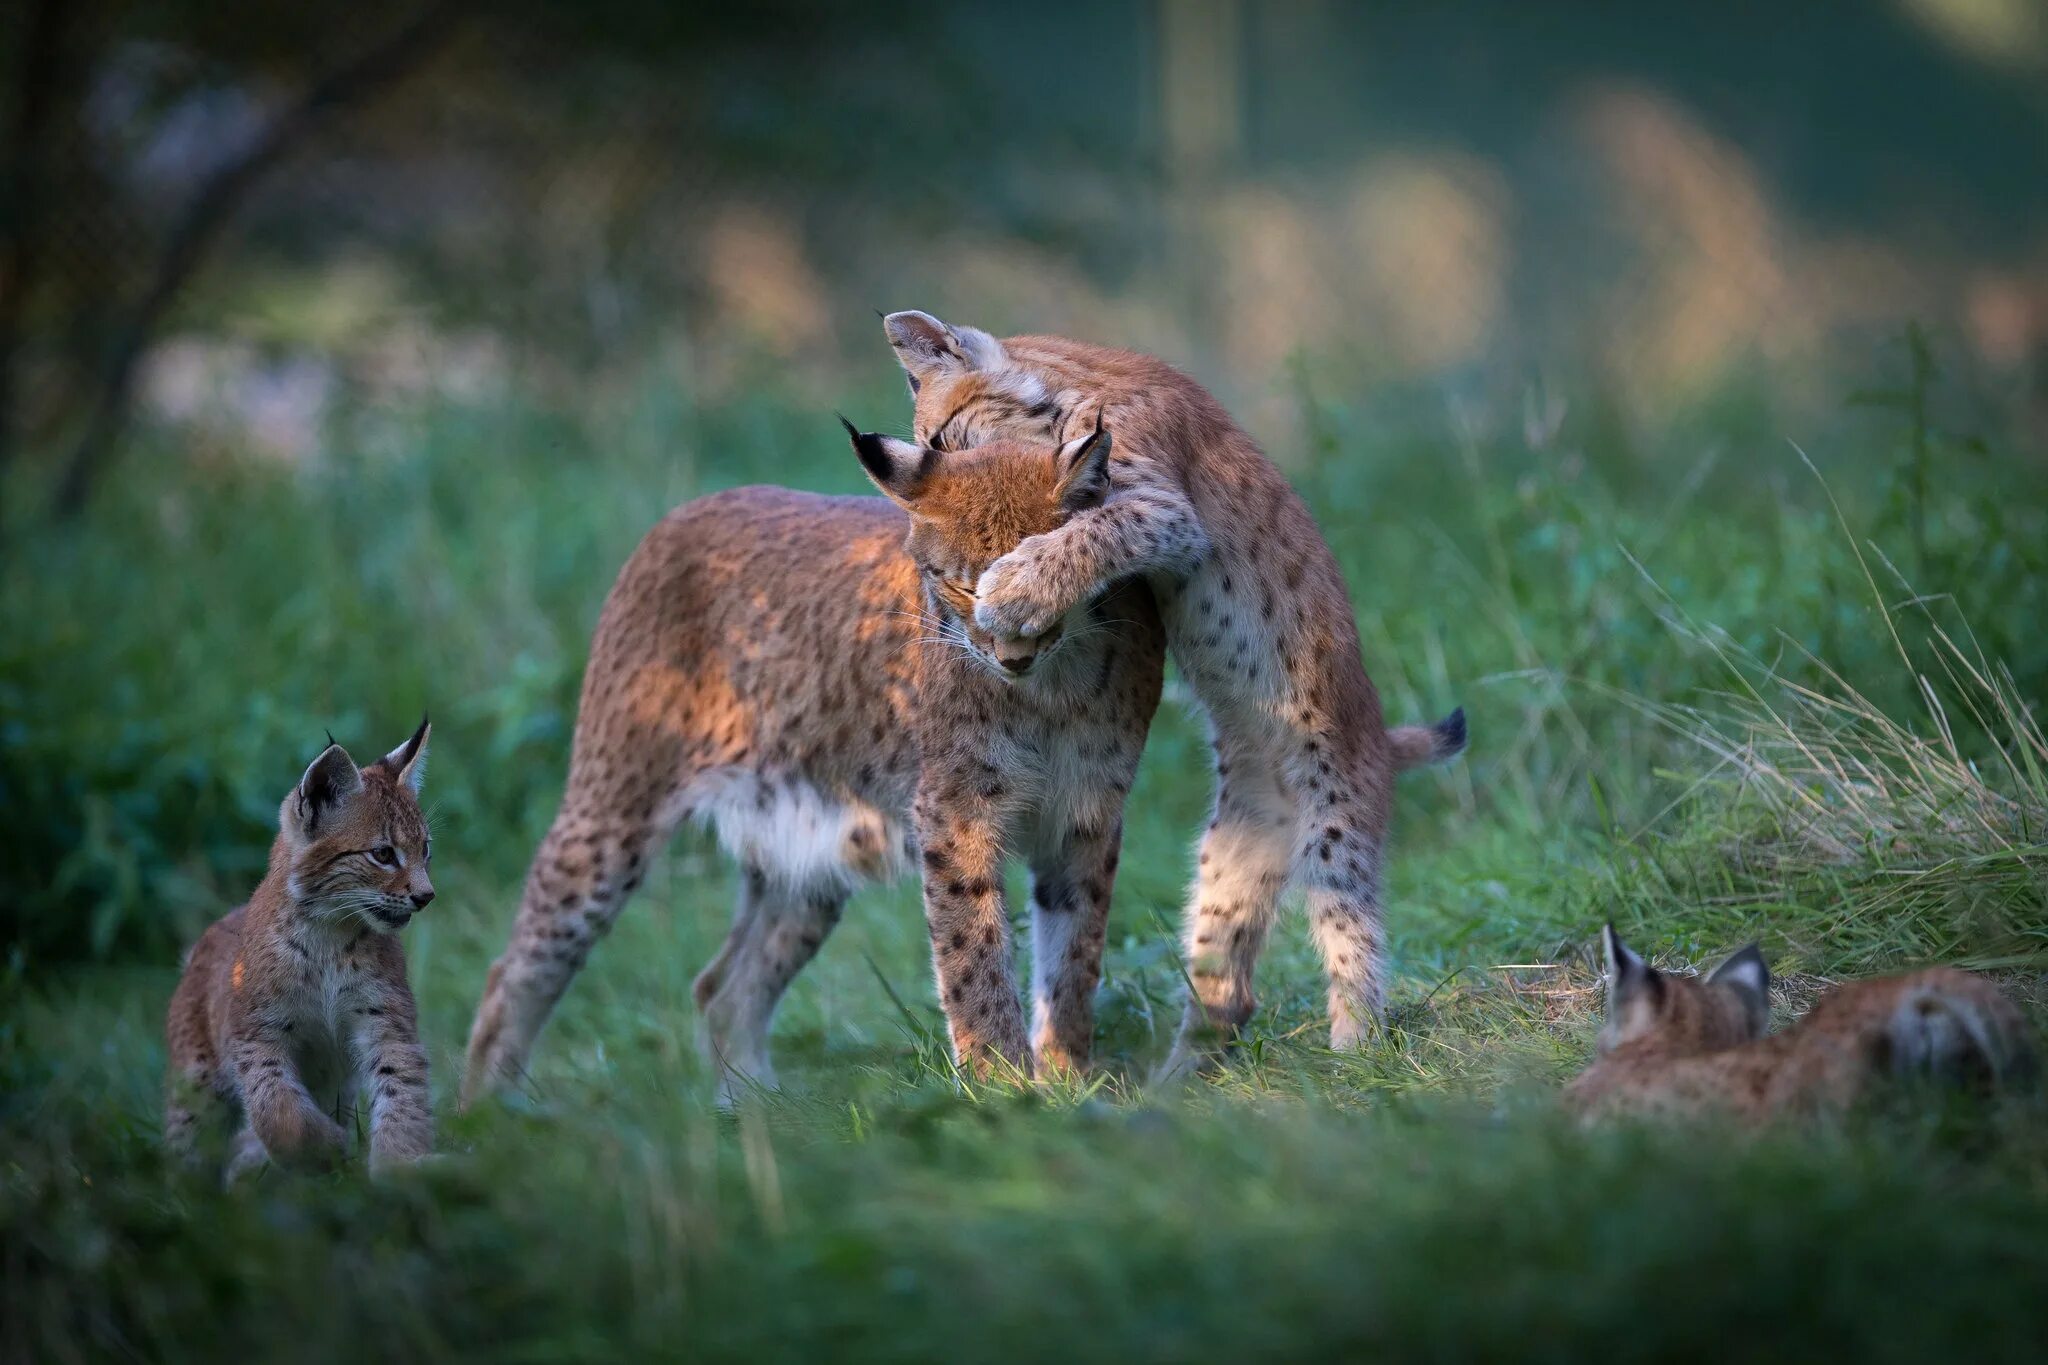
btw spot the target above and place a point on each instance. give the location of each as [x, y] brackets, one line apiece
[964, 390]
[1727, 1006]
[357, 842]
[969, 508]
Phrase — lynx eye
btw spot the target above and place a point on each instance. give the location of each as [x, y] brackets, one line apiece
[384, 855]
[959, 596]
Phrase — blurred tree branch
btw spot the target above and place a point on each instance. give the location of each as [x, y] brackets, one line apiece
[23, 177]
[362, 78]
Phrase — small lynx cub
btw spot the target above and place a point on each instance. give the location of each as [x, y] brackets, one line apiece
[803, 674]
[1676, 1045]
[294, 1003]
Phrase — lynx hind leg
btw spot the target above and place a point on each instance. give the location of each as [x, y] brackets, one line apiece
[1337, 865]
[593, 858]
[188, 1102]
[746, 914]
[195, 1112]
[777, 929]
[1070, 896]
[1241, 871]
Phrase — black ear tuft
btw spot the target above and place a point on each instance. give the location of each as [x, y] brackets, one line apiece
[408, 762]
[899, 468]
[410, 750]
[868, 446]
[1624, 966]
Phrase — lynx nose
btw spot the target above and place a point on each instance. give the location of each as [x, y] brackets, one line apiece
[1018, 666]
[420, 899]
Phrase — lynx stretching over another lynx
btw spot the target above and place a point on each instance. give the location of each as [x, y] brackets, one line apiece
[293, 1004]
[803, 674]
[1256, 615]
[1678, 1046]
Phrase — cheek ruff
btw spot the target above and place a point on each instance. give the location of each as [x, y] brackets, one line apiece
[390, 919]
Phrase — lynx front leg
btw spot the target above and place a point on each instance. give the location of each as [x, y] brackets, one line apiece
[394, 1072]
[1147, 529]
[283, 1117]
[1070, 894]
[970, 931]
[245, 1155]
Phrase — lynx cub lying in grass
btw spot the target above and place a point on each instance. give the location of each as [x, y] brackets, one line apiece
[803, 674]
[297, 1001]
[1680, 1045]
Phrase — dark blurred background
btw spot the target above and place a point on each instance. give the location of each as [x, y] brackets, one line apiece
[1649, 211]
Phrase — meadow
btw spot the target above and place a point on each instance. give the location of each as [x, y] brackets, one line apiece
[1717, 692]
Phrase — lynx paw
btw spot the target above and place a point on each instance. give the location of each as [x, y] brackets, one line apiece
[1019, 597]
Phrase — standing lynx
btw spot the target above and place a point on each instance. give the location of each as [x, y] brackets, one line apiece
[294, 1003]
[803, 674]
[1256, 615]
[1673, 1045]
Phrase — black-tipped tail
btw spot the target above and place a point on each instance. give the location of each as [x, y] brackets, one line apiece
[1415, 745]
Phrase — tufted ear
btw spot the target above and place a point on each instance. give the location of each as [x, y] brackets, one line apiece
[1083, 467]
[331, 781]
[1746, 973]
[900, 469]
[1628, 976]
[926, 347]
[409, 760]
[1635, 993]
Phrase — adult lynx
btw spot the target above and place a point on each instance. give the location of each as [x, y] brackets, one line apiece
[1256, 615]
[803, 674]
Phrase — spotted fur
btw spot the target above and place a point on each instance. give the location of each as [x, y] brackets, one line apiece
[1677, 1046]
[294, 1005]
[803, 674]
[1257, 617]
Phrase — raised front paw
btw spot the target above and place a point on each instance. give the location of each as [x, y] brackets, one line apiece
[304, 1140]
[1020, 595]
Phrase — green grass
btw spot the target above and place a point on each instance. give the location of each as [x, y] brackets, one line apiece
[1697, 709]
